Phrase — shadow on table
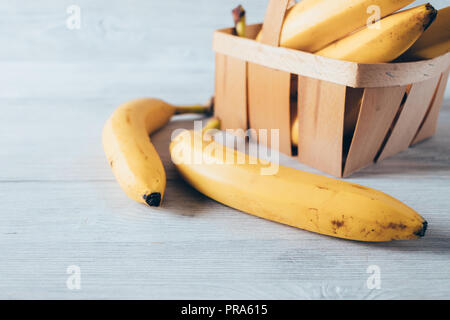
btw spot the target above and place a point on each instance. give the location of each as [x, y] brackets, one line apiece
[438, 241]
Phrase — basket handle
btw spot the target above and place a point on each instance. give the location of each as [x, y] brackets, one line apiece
[273, 21]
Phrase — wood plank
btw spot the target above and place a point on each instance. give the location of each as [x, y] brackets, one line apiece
[342, 72]
[273, 21]
[269, 104]
[230, 101]
[321, 109]
[410, 118]
[429, 125]
[378, 110]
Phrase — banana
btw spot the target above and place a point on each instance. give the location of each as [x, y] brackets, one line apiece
[435, 41]
[292, 197]
[397, 33]
[130, 153]
[239, 20]
[311, 25]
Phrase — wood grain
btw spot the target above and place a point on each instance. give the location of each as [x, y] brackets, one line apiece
[378, 110]
[410, 118]
[269, 104]
[230, 98]
[321, 109]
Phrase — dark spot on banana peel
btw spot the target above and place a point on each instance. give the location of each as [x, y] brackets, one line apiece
[421, 231]
[111, 163]
[396, 226]
[153, 199]
[337, 223]
[322, 188]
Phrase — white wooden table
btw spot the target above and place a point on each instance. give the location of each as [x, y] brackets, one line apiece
[60, 205]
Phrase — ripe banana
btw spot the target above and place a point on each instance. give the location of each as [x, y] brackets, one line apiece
[311, 25]
[292, 197]
[435, 41]
[130, 153]
[397, 33]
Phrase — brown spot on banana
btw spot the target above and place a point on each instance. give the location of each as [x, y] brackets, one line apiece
[337, 223]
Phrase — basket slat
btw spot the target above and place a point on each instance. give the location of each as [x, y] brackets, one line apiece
[321, 109]
[269, 103]
[378, 110]
[230, 103]
[352, 74]
[411, 116]
[429, 125]
[273, 21]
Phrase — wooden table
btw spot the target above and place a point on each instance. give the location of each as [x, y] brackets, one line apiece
[60, 206]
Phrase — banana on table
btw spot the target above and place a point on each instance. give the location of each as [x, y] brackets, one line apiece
[292, 197]
[130, 153]
[296, 198]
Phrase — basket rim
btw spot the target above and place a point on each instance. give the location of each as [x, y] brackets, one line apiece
[352, 74]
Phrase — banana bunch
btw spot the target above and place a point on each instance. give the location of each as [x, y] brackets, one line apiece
[292, 197]
[129, 151]
[344, 30]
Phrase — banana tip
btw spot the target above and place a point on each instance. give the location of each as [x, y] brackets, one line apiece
[433, 16]
[153, 199]
[422, 230]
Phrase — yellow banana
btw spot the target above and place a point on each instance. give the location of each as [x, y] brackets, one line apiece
[130, 153]
[435, 41]
[292, 197]
[396, 34]
[311, 25]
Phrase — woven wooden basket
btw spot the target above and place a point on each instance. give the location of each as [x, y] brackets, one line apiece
[350, 115]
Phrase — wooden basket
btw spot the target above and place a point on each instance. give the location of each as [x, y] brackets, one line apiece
[350, 114]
